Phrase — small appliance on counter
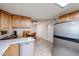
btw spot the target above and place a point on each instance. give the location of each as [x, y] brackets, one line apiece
[29, 34]
[4, 35]
[3, 32]
[14, 33]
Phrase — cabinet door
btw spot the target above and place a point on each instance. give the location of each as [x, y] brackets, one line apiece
[26, 22]
[75, 15]
[6, 21]
[13, 50]
[68, 17]
[62, 18]
[20, 21]
[9, 22]
[23, 21]
[17, 21]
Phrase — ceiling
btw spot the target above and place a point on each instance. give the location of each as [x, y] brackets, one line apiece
[38, 11]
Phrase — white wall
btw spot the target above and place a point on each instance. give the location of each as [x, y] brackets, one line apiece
[50, 32]
[33, 27]
[45, 30]
[42, 31]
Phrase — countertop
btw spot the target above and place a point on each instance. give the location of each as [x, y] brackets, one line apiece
[4, 44]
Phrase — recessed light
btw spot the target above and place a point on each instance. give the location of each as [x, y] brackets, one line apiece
[63, 4]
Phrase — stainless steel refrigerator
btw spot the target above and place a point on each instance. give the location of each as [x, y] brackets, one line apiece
[66, 38]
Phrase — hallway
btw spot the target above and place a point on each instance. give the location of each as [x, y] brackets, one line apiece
[43, 47]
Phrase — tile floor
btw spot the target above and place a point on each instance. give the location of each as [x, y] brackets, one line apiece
[43, 47]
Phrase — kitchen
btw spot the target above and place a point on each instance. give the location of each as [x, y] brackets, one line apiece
[25, 30]
[19, 33]
[12, 43]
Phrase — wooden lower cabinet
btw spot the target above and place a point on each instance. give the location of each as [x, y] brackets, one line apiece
[13, 50]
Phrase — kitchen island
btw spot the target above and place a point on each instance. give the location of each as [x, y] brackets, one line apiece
[4, 45]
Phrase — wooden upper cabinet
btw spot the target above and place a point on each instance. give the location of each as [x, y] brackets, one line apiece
[62, 18]
[26, 21]
[5, 20]
[16, 21]
[20, 21]
[23, 21]
[75, 15]
[69, 16]
[10, 21]
[66, 17]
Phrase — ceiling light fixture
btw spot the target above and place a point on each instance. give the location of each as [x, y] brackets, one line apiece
[63, 3]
